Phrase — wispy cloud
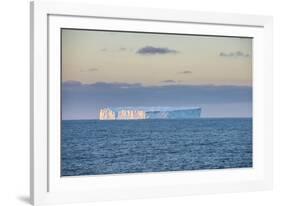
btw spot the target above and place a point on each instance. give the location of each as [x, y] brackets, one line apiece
[169, 81]
[150, 50]
[121, 85]
[72, 83]
[120, 49]
[234, 54]
[185, 72]
[89, 70]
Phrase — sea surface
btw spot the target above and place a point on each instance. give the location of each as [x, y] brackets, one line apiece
[94, 147]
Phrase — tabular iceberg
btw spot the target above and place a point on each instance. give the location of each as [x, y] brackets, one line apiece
[134, 113]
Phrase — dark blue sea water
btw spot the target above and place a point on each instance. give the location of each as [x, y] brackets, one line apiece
[91, 147]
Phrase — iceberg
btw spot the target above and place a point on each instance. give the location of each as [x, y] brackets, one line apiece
[135, 113]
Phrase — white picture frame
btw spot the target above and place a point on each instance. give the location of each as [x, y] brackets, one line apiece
[46, 184]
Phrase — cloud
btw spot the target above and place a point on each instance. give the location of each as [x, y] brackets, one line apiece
[71, 83]
[121, 49]
[234, 54]
[150, 50]
[103, 85]
[169, 81]
[186, 72]
[89, 70]
[93, 69]
[114, 85]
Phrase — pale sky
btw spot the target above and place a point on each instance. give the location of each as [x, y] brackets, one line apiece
[114, 69]
[99, 56]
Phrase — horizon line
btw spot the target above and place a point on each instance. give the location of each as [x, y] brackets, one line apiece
[138, 84]
[244, 117]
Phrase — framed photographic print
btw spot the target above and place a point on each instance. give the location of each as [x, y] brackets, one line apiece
[136, 103]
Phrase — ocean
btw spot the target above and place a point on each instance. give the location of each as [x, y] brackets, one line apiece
[95, 147]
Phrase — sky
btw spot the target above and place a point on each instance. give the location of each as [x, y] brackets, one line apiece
[110, 69]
